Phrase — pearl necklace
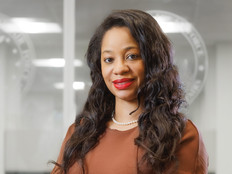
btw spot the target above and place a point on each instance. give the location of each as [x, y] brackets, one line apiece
[123, 123]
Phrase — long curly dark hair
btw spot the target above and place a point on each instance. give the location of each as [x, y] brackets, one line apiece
[160, 124]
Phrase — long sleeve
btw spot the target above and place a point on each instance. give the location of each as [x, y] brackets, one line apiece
[60, 157]
[191, 153]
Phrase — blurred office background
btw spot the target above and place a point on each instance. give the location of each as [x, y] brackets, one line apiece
[44, 79]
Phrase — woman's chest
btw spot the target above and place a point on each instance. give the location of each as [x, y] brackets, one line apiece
[116, 153]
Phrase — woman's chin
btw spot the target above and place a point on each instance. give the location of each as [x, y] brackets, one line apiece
[126, 97]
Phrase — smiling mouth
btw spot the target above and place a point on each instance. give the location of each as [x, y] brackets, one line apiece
[122, 83]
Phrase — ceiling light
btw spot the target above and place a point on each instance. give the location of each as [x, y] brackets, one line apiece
[54, 62]
[174, 27]
[170, 23]
[31, 26]
[76, 85]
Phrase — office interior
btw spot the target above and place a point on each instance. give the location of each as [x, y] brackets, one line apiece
[44, 78]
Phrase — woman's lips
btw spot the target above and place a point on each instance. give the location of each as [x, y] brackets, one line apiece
[123, 83]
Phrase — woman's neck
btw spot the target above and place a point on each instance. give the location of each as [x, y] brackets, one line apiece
[124, 113]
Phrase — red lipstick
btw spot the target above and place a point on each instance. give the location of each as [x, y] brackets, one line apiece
[122, 83]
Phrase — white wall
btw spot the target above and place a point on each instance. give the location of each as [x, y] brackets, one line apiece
[203, 110]
[211, 111]
[224, 108]
[2, 108]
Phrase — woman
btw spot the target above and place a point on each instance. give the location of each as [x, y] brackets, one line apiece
[131, 121]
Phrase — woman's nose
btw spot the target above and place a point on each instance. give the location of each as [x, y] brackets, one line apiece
[120, 67]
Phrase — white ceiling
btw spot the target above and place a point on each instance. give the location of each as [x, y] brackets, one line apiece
[212, 18]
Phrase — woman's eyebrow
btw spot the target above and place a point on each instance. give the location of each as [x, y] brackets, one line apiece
[126, 48]
[131, 47]
[107, 51]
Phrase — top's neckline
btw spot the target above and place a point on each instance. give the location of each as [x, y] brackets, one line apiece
[127, 130]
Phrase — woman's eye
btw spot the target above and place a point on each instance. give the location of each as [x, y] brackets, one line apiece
[108, 60]
[132, 56]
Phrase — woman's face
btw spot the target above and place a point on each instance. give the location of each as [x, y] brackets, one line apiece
[121, 63]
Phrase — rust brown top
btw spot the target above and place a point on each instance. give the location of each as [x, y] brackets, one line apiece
[116, 153]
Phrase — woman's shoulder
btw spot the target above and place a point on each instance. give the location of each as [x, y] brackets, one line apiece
[67, 137]
[190, 132]
[70, 130]
[190, 139]
[191, 152]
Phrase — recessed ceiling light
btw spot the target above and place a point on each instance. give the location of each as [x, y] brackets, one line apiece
[76, 85]
[54, 62]
[31, 26]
